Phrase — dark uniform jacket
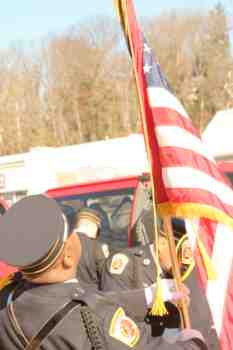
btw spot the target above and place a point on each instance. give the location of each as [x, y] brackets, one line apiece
[129, 269]
[104, 322]
[135, 268]
[139, 271]
[94, 254]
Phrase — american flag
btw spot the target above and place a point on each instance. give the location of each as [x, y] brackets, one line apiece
[218, 241]
[188, 182]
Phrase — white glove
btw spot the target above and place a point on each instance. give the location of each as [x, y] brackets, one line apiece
[169, 292]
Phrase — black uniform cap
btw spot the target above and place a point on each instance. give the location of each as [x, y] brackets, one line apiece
[91, 214]
[32, 234]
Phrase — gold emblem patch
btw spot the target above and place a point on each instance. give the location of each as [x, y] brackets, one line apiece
[186, 253]
[185, 257]
[118, 264]
[124, 329]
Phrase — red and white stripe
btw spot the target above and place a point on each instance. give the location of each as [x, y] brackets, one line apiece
[189, 172]
[218, 240]
[190, 175]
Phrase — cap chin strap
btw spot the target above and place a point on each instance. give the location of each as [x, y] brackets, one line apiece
[46, 263]
[86, 230]
[85, 233]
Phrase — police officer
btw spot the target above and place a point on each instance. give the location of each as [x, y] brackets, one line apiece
[48, 306]
[136, 268]
[87, 223]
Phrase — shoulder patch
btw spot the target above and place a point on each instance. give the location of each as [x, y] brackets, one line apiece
[124, 329]
[105, 250]
[186, 253]
[118, 263]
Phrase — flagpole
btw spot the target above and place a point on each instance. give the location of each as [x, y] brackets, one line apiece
[172, 248]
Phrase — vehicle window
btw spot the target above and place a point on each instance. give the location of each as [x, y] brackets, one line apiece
[115, 209]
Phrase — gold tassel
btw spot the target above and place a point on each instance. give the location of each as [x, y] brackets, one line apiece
[210, 270]
[159, 307]
[4, 281]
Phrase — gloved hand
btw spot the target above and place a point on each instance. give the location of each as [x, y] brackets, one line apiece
[188, 334]
[184, 294]
[192, 334]
[169, 292]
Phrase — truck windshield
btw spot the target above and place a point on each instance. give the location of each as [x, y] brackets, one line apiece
[115, 209]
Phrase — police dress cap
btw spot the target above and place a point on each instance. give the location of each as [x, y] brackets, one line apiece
[33, 232]
[90, 214]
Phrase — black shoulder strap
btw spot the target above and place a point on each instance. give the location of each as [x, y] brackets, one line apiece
[46, 329]
[51, 324]
[90, 325]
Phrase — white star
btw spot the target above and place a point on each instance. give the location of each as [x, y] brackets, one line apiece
[147, 68]
[147, 48]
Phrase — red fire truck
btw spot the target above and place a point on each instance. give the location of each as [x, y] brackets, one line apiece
[115, 199]
[119, 201]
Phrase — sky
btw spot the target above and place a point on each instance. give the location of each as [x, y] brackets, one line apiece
[29, 20]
